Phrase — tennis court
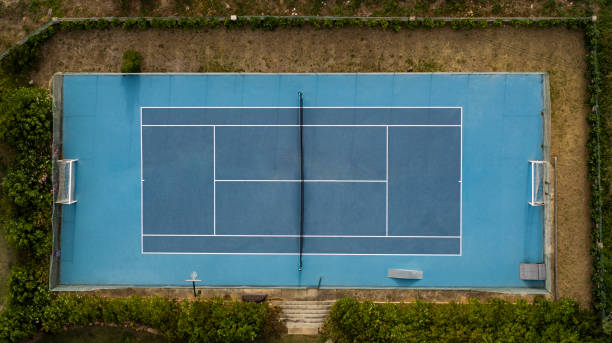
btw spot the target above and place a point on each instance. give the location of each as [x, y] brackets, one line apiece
[286, 179]
[228, 180]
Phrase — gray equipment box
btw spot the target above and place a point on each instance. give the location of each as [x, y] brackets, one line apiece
[532, 271]
[405, 274]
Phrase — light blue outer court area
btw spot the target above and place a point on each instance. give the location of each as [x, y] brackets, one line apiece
[452, 149]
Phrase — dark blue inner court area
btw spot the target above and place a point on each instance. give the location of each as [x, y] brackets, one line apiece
[376, 180]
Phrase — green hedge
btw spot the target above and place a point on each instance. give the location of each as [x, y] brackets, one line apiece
[351, 321]
[25, 120]
[211, 320]
[601, 84]
[25, 127]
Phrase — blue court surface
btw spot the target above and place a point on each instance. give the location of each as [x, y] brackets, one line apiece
[182, 172]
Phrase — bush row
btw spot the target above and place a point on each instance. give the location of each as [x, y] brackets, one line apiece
[495, 321]
[23, 57]
[600, 133]
[25, 127]
[271, 23]
[210, 320]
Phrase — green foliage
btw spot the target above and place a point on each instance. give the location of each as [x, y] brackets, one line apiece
[600, 130]
[28, 184]
[16, 324]
[132, 61]
[494, 321]
[24, 235]
[210, 320]
[28, 297]
[607, 325]
[25, 119]
[28, 287]
[219, 321]
[25, 126]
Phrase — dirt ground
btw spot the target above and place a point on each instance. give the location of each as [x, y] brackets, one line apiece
[557, 51]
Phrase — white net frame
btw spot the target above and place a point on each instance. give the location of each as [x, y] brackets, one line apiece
[65, 181]
[538, 174]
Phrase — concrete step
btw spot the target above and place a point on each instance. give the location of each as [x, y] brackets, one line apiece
[289, 311]
[297, 316]
[304, 317]
[303, 329]
[303, 320]
[304, 307]
[305, 302]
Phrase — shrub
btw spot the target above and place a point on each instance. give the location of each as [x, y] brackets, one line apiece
[132, 61]
[494, 321]
[28, 184]
[600, 129]
[28, 297]
[16, 324]
[24, 235]
[208, 320]
[28, 287]
[25, 119]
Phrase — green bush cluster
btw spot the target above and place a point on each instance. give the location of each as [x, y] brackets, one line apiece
[211, 320]
[600, 131]
[25, 119]
[494, 321]
[132, 61]
[28, 298]
[25, 127]
[271, 23]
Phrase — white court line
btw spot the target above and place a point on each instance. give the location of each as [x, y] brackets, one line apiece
[364, 181]
[141, 191]
[214, 180]
[461, 186]
[306, 125]
[294, 236]
[387, 183]
[296, 107]
[291, 254]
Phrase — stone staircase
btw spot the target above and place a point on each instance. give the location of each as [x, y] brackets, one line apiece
[303, 317]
